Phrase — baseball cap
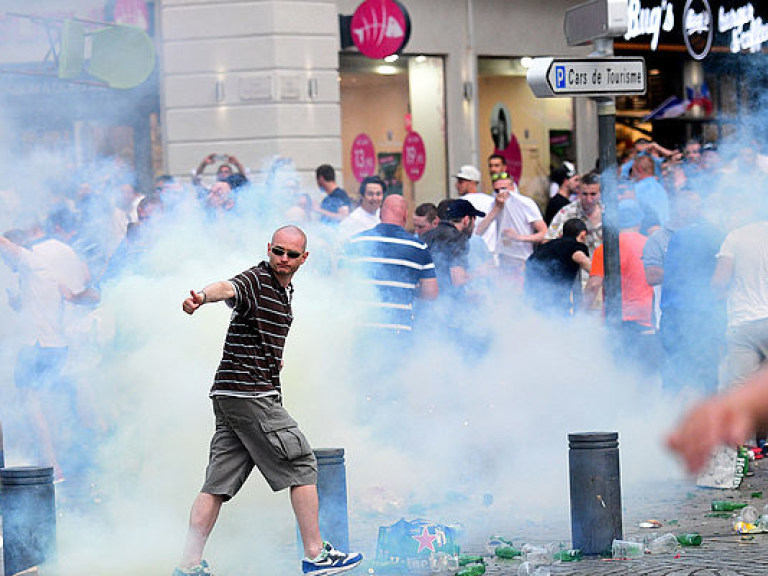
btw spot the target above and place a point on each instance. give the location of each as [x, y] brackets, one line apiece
[570, 169]
[460, 208]
[468, 172]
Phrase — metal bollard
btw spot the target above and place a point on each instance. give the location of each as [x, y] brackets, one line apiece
[595, 486]
[28, 503]
[332, 493]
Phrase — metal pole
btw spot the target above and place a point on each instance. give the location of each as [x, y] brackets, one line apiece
[606, 118]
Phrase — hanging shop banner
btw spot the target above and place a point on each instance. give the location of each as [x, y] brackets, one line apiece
[698, 25]
[414, 156]
[380, 28]
[363, 157]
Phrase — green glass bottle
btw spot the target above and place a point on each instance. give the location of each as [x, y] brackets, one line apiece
[465, 559]
[727, 505]
[473, 570]
[691, 539]
[568, 555]
[507, 552]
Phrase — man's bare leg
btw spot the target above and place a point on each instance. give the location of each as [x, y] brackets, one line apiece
[202, 518]
[305, 506]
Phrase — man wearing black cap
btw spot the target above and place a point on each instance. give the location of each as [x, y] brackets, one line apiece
[449, 245]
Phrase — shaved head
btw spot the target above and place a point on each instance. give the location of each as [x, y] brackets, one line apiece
[290, 232]
[394, 210]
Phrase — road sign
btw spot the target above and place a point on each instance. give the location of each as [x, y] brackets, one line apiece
[553, 77]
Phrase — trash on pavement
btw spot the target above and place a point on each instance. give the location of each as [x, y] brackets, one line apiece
[651, 524]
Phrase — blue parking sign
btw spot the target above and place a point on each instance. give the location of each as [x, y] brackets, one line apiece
[559, 76]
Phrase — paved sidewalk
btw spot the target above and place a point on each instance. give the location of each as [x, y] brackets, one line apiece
[722, 552]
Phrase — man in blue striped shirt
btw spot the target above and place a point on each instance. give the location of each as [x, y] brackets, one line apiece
[398, 266]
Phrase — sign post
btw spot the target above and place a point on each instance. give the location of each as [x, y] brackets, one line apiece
[601, 76]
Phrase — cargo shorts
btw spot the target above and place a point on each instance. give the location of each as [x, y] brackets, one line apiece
[256, 431]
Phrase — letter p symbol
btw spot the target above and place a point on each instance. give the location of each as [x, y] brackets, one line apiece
[559, 76]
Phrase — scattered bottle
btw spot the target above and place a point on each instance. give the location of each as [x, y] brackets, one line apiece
[465, 559]
[507, 552]
[537, 554]
[664, 544]
[627, 549]
[472, 570]
[495, 542]
[750, 515]
[568, 555]
[691, 539]
[727, 505]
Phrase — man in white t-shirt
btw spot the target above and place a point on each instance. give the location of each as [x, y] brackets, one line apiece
[740, 275]
[50, 275]
[367, 215]
[520, 227]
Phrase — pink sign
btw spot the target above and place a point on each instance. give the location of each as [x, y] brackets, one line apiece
[363, 157]
[414, 156]
[379, 28]
[132, 12]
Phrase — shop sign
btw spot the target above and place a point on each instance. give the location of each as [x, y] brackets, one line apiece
[363, 157]
[414, 156]
[380, 28]
[699, 24]
[132, 12]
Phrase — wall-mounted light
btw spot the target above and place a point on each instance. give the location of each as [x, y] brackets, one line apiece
[386, 70]
[220, 91]
[391, 58]
[469, 91]
[420, 59]
[526, 62]
[312, 90]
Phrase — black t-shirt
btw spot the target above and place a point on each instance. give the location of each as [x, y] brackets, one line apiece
[333, 202]
[550, 272]
[450, 249]
[555, 204]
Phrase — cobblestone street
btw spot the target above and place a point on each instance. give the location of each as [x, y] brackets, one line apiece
[722, 552]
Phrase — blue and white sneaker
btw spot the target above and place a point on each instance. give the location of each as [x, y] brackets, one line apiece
[201, 569]
[330, 561]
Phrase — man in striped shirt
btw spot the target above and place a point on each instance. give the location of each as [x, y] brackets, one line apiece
[252, 427]
[396, 264]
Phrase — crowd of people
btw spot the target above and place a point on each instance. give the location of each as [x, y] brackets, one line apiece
[693, 245]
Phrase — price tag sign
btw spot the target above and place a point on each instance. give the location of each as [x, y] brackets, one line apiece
[414, 156]
[363, 157]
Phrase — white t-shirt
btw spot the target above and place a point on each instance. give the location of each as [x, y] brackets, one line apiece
[748, 294]
[484, 203]
[519, 214]
[358, 221]
[44, 269]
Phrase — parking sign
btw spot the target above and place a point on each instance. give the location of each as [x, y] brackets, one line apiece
[560, 76]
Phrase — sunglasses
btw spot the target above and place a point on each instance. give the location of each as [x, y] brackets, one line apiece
[499, 176]
[279, 251]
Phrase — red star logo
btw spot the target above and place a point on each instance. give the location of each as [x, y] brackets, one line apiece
[426, 540]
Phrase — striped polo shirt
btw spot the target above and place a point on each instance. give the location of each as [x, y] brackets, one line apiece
[253, 349]
[393, 261]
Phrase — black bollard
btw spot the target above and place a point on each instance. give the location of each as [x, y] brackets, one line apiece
[332, 493]
[595, 484]
[28, 503]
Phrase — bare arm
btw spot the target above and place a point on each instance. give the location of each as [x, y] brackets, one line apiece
[654, 275]
[10, 249]
[197, 177]
[721, 279]
[539, 231]
[233, 160]
[591, 290]
[216, 292]
[337, 216]
[490, 218]
[582, 260]
[728, 419]
[428, 289]
[459, 276]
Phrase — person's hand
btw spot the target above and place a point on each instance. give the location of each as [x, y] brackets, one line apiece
[210, 159]
[509, 236]
[194, 302]
[231, 159]
[713, 423]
